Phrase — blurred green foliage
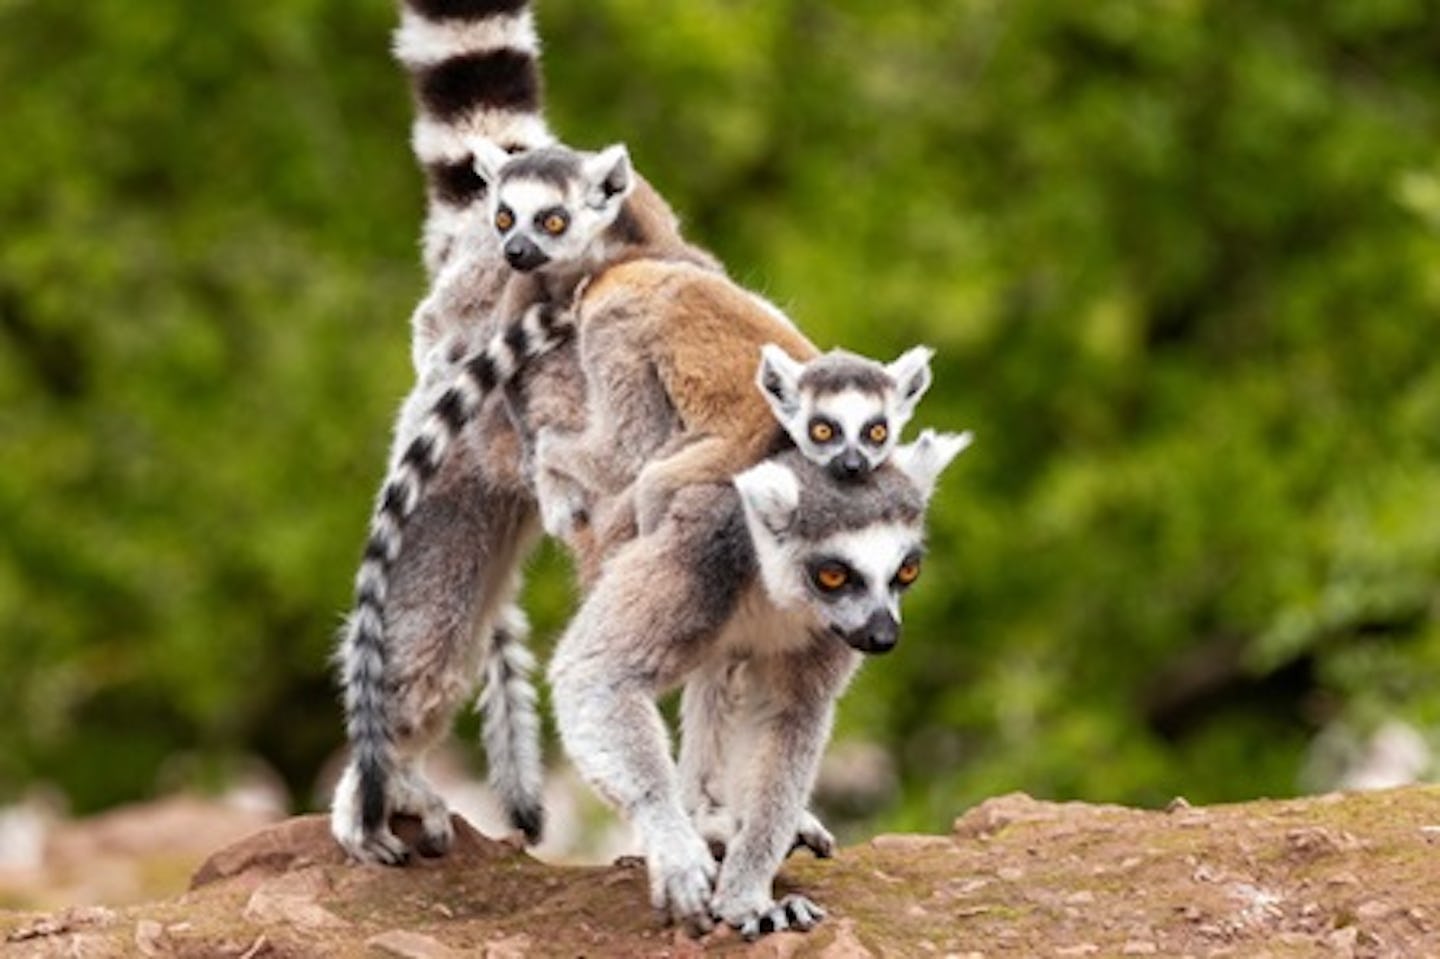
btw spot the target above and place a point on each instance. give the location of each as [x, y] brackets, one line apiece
[1181, 261]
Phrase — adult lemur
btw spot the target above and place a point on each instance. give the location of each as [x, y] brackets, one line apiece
[758, 598]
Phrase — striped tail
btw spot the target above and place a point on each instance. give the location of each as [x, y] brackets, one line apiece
[511, 726]
[474, 68]
[363, 652]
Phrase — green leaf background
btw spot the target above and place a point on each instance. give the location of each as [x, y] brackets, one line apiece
[1180, 260]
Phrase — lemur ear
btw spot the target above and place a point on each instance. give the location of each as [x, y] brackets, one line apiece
[487, 160]
[911, 374]
[608, 177]
[926, 458]
[770, 493]
[779, 380]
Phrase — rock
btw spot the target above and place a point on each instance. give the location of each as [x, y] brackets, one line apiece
[148, 936]
[1056, 880]
[293, 899]
[910, 844]
[412, 945]
[846, 944]
[306, 841]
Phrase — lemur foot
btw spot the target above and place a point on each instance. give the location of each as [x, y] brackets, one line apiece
[812, 835]
[381, 846]
[792, 912]
[682, 880]
[407, 794]
[529, 818]
[718, 825]
[413, 796]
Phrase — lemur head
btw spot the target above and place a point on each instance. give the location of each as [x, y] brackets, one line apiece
[551, 205]
[844, 411]
[844, 552]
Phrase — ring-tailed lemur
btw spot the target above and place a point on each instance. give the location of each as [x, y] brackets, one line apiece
[758, 598]
[451, 618]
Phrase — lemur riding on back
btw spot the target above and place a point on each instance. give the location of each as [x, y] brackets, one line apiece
[562, 218]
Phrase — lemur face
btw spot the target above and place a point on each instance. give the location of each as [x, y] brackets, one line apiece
[854, 582]
[843, 411]
[844, 552]
[550, 207]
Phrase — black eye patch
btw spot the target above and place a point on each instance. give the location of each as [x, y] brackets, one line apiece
[908, 571]
[833, 577]
[554, 220]
[823, 430]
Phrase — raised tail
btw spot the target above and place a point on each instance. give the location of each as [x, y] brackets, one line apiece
[474, 69]
[363, 652]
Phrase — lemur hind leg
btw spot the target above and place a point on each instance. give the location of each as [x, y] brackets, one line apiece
[709, 705]
[454, 577]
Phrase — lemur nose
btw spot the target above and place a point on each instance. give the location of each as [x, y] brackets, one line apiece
[523, 255]
[882, 632]
[848, 465]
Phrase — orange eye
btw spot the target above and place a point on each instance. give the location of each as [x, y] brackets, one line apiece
[878, 433]
[555, 224]
[831, 578]
[504, 220]
[821, 431]
[908, 572]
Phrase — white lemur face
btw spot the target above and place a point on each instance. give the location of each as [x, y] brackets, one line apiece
[551, 206]
[844, 411]
[843, 553]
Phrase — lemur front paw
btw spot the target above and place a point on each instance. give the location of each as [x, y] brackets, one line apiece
[682, 880]
[755, 920]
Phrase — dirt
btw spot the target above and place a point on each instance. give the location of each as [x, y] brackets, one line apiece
[1340, 875]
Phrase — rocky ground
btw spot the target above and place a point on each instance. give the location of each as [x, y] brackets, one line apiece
[1341, 875]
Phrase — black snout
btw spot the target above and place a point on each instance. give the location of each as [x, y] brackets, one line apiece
[848, 465]
[879, 634]
[524, 255]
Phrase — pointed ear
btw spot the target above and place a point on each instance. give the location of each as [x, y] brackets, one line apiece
[608, 177]
[487, 159]
[911, 374]
[926, 458]
[770, 494]
[779, 380]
